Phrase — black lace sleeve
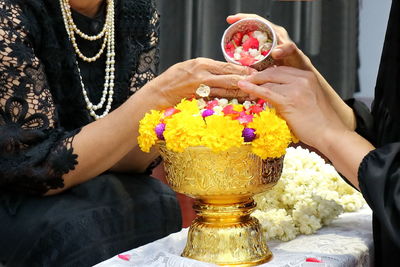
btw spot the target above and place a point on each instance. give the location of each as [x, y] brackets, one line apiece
[34, 152]
[147, 67]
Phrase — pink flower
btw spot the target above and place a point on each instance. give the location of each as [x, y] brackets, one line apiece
[255, 109]
[125, 257]
[160, 128]
[245, 118]
[229, 110]
[212, 104]
[313, 260]
[207, 112]
[251, 43]
[170, 111]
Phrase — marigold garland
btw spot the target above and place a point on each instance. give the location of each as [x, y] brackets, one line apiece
[218, 124]
[147, 136]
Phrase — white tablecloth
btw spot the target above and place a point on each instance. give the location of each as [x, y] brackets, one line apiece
[346, 242]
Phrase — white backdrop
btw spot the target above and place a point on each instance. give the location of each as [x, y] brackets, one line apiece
[373, 20]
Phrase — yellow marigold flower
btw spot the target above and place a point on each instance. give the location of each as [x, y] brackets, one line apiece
[147, 136]
[184, 130]
[222, 133]
[273, 135]
[188, 106]
[238, 107]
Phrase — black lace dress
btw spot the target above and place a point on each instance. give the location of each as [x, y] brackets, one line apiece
[41, 110]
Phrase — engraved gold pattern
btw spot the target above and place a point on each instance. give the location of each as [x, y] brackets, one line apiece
[223, 184]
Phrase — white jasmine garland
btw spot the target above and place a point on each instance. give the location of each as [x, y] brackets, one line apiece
[309, 195]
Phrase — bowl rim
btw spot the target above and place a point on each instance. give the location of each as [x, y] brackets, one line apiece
[266, 23]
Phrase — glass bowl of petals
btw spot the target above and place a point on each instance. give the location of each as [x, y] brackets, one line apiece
[249, 42]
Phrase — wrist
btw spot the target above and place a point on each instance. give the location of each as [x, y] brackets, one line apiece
[150, 96]
[330, 138]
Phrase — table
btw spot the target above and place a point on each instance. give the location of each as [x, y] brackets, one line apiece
[346, 242]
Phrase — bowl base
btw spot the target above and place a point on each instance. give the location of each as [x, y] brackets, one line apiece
[224, 241]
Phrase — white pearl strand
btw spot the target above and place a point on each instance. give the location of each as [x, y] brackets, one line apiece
[109, 40]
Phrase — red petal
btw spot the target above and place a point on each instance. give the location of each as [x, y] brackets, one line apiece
[237, 38]
[125, 257]
[244, 118]
[313, 260]
[170, 111]
[250, 43]
[247, 61]
[264, 53]
[229, 110]
[212, 104]
[255, 109]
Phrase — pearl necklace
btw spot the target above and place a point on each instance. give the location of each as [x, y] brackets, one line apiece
[108, 32]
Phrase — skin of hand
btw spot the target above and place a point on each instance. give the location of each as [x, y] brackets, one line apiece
[288, 54]
[298, 98]
[182, 79]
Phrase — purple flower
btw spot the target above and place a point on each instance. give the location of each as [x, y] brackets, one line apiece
[207, 112]
[248, 134]
[160, 128]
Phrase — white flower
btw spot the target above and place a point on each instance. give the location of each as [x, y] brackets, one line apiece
[218, 110]
[254, 52]
[201, 103]
[309, 195]
[247, 104]
[245, 37]
[223, 102]
[234, 101]
[262, 37]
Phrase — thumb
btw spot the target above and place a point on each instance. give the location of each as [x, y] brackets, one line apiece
[285, 50]
[263, 92]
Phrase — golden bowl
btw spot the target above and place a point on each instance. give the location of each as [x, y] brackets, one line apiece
[223, 184]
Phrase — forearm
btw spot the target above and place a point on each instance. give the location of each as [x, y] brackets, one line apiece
[136, 161]
[101, 144]
[345, 149]
[345, 113]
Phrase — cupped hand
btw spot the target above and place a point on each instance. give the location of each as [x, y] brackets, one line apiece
[286, 53]
[297, 96]
[182, 79]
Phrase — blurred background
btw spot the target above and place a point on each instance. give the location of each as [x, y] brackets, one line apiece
[343, 38]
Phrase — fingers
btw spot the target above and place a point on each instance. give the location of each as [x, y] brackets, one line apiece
[285, 50]
[222, 68]
[234, 18]
[230, 93]
[268, 92]
[224, 81]
[279, 75]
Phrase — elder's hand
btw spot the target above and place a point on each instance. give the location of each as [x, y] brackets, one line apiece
[298, 98]
[182, 79]
[286, 52]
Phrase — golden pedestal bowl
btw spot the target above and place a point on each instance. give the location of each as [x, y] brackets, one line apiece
[223, 184]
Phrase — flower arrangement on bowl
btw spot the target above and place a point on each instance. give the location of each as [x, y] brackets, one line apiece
[219, 124]
[220, 152]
